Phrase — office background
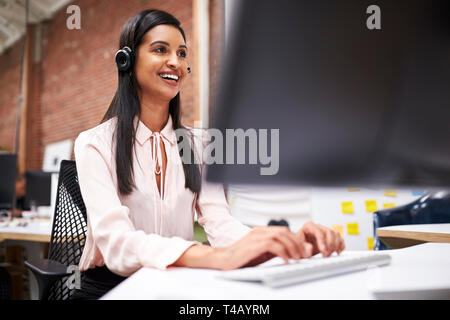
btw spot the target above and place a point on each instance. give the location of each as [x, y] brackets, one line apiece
[70, 76]
[348, 211]
[70, 79]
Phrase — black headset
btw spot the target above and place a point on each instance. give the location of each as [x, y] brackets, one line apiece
[125, 59]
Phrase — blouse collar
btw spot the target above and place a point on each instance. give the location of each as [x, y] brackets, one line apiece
[143, 133]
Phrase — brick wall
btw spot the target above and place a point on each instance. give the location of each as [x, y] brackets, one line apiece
[81, 77]
[76, 79]
[9, 90]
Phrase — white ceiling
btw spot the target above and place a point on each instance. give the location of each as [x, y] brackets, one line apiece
[12, 17]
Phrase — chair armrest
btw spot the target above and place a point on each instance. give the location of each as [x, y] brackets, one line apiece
[47, 268]
[47, 272]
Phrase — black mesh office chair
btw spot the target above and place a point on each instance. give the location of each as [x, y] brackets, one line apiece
[428, 209]
[67, 238]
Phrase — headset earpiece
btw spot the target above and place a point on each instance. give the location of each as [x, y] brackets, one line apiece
[124, 59]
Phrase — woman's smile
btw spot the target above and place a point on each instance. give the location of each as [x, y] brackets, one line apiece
[170, 78]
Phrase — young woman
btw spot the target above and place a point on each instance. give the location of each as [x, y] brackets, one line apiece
[140, 197]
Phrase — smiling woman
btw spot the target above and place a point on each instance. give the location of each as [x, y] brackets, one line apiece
[162, 66]
[156, 46]
[141, 197]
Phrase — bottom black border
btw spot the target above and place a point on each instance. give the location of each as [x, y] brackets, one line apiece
[226, 309]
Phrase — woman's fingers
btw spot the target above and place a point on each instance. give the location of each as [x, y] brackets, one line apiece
[325, 240]
[279, 241]
[308, 248]
[277, 249]
[289, 241]
[296, 242]
[337, 241]
[317, 237]
[331, 244]
[341, 245]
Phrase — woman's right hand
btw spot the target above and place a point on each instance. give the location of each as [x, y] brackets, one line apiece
[262, 244]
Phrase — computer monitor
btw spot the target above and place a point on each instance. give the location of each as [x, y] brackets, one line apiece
[8, 165]
[38, 188]
[360, 93]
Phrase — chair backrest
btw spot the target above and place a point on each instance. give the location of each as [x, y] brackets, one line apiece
[69, 226]
[428, 209]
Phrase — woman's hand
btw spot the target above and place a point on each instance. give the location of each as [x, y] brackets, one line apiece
[262, 244]
[324, 240]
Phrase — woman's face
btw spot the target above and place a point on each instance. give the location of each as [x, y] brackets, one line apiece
[161, 65]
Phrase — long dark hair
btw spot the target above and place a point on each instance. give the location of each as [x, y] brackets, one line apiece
[126, 105]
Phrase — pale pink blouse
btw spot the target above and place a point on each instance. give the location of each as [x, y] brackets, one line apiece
[146, 228]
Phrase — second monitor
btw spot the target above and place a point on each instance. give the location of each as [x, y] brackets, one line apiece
[38, 188]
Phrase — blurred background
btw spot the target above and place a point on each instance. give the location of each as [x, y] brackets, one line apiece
[64, 77]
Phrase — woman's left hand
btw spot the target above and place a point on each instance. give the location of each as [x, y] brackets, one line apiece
[324, 240]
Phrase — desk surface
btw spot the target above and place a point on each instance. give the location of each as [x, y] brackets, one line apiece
[405, 235]
[38, 230]
[398, 280]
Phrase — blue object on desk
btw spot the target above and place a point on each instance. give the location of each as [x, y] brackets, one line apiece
[428, 209]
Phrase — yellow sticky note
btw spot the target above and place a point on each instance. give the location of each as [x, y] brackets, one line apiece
[388, 205]
[352, 189]
[370, 243]
[390, 193]
[347, 207]
[338, 228]
[371, 206]
[353, 228]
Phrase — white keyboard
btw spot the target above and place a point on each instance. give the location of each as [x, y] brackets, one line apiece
[307, 269]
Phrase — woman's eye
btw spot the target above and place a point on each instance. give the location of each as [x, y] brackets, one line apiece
[182, 53]
[160, 50]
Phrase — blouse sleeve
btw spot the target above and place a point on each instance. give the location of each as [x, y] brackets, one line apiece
[124, 249]
[222, 229]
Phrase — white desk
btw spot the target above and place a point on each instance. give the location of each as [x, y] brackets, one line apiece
[405, 235]
[421, 267]
[37, 230]
[34, 237]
